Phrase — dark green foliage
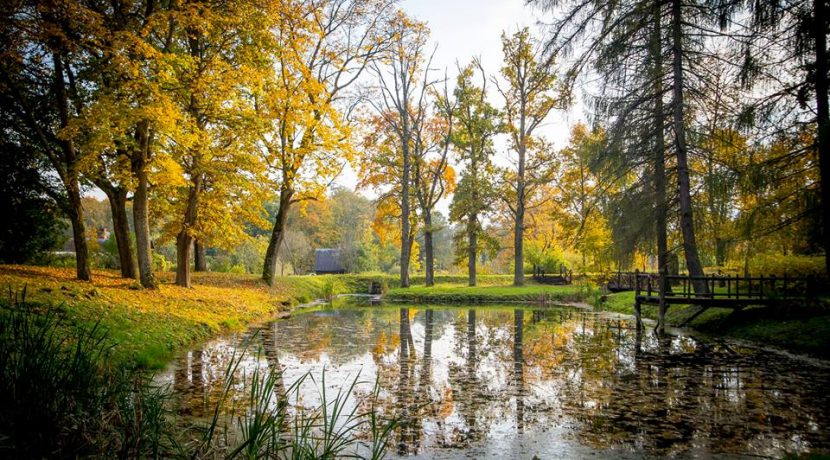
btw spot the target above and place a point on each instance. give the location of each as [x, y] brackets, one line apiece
[31, 223]
[59, 397]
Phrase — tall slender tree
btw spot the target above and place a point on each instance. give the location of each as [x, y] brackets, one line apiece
[404, 88]
[433, 178]
[786, 59]
[43, 45]
[528, 100]
[477, 122]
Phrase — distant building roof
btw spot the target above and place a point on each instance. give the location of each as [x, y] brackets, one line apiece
[327, 261]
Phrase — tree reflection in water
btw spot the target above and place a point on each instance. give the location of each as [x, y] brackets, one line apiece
[518, 369]
[565, 379]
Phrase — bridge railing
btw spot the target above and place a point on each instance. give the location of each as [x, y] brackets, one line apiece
[563, 273]
[620, 280]
[724, 286]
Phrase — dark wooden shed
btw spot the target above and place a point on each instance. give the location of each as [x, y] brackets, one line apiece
[327, 261]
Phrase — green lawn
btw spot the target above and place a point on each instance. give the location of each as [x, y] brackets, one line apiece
[149, 326]
[459, 293]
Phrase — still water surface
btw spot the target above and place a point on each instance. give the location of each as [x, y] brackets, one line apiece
[519, 382]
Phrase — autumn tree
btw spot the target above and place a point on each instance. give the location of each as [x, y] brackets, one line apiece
[404, 85]
[626, 50]
[544, 236]
[43, 46]
[433, 177]
[117, 83]
[382, 171]
[225, 50]
[477, 122]
[785, 60]
[646, 51]
[305, 107]
[579, 194]
[528, 100]
[342, 219]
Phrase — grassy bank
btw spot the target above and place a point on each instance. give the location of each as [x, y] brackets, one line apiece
[147, 326]
[801, 330]
[444, 293]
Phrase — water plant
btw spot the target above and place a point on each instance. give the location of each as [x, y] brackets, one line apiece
[59, 394]
[62, 395]
[270, 427]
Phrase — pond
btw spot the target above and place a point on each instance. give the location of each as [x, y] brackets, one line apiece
[520, 382]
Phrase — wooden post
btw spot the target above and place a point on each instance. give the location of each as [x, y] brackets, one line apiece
[761, 288]
[713, 285]
[636, 282]
[685, 286]
[661, 316]
[737, 281]
[637, 316]
[728, 287]
[637, 299]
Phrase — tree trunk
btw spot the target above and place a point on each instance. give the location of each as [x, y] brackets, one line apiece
[121, 229]
[184, 240]
[472, 237]
[200, 262]
[406, 246]
[660, 148]
[69, 176]
[518, 230]
[518, 236]
[76, 213]
[429, 252]
[269, 268]
[822, 119]
[141, 208]
[686, 223]
[720, 251]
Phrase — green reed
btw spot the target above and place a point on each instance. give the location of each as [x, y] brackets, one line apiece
[61, 395]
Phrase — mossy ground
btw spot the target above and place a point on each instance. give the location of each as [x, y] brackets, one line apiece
[794, 328]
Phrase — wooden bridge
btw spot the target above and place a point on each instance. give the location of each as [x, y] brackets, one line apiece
[734, 292]
[620, 281]
[564, 276]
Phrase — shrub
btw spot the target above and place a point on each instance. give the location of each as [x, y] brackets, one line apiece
[160, 263]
